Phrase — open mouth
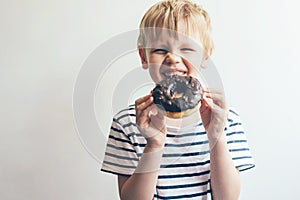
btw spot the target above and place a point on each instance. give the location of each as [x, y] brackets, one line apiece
[174, 72]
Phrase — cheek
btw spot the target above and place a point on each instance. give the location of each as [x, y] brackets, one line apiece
[154, 71]
[195, 59]
[193, 63]
[156, 58]
[155, 76]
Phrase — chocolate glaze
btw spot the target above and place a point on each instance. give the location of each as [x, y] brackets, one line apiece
[177, 93]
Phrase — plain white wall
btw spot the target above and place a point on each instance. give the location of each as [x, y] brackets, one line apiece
[44, 43]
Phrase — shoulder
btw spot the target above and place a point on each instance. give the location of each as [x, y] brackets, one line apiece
[125, 115]
[125, 120]
[233, 115]
[234, 122]
[234, 127]
[233, 111]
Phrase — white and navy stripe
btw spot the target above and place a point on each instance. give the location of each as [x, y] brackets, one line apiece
[185, 171]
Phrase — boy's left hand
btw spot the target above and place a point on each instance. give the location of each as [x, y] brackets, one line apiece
[213, 111]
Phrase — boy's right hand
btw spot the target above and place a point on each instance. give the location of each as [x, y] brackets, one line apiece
[150, 122]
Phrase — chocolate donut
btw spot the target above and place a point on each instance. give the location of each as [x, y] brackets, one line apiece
[178, 96]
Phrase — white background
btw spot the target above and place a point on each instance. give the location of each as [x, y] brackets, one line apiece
[44, 43]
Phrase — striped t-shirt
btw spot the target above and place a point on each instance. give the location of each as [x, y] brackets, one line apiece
[185, 168]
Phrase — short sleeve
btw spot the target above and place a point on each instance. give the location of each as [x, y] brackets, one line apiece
[237, 142]
[120, 155]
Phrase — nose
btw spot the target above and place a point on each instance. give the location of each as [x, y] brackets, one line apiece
[172, 58]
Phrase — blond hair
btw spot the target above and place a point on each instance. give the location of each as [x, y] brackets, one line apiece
[167, 14]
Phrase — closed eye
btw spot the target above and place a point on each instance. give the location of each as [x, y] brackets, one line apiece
[160, 51]
[187, 49]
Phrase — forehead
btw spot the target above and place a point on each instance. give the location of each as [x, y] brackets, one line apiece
[162, 36]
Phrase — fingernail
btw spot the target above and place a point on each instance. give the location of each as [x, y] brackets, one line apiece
[154, 111]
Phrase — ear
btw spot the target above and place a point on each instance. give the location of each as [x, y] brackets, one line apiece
[143, 58]
[205, 61]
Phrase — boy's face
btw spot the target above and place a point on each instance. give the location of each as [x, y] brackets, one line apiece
[168, 55]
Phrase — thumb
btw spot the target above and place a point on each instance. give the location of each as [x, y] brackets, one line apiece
[209, 102]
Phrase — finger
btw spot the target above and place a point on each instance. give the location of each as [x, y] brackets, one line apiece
[154, 110]
[145, 113]
[142, 99]
[143, 105]
[158, 121]
[215, 96]
[209, 102]
[158, 114]
[218, 98]
[145, 118]
[142, 118]
[204, 107]
[212, 90]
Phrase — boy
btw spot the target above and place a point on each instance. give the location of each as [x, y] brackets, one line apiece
[197, 157]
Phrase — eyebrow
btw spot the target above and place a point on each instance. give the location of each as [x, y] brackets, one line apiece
[163, 44]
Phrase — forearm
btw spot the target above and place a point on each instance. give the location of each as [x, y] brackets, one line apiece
[225, 178]
[141, 185]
